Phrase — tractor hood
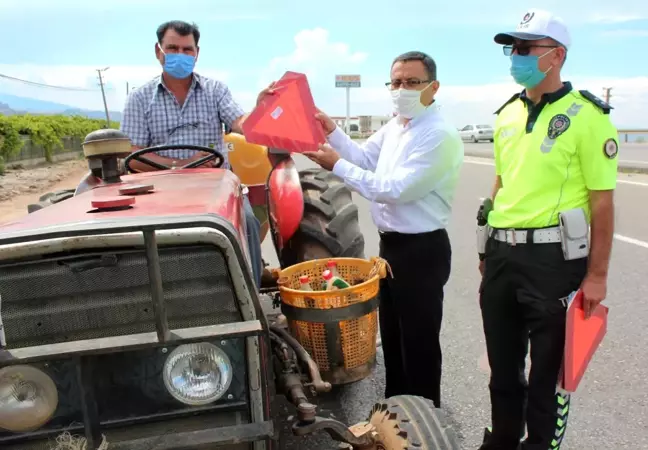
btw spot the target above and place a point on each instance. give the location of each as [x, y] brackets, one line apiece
[176, 193]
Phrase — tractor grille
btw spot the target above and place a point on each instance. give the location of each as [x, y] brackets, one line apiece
[98, 294]
[127, 392]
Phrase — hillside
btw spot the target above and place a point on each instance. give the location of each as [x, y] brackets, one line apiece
[12, 105]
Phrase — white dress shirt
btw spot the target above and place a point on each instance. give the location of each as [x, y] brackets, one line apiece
[408, 172]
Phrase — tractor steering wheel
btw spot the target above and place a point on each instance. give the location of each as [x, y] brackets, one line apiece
[137, 156]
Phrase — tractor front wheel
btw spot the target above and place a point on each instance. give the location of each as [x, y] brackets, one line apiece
[408, 422]
[50, 198]
[330, 227]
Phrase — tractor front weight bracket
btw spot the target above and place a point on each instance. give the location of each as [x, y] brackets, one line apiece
[361, 438]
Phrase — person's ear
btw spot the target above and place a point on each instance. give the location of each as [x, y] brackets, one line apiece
[158, 53]
[562, 56]
[427, 95]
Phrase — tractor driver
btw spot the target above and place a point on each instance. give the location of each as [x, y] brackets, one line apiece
[182, 107]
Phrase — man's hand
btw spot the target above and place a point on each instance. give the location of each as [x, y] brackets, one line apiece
[325, 156]
[594, 291]
[196, 157]
[267, 91]
[326, 121]
[481, 267]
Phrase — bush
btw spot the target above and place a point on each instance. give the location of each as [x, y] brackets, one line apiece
[47, 131]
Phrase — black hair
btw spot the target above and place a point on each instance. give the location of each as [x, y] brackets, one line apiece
[180, 27]
[428, 62]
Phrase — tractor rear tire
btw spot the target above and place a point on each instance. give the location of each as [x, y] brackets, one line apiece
[330, 227]
[50, 198]
[408, 422]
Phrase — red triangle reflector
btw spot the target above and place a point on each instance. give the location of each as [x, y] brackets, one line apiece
[582, 339]
[286, 119]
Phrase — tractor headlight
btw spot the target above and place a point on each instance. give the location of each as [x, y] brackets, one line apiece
[28, 398]
[197, 374]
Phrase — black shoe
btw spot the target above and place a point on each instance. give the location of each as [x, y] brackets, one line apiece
[488, 445]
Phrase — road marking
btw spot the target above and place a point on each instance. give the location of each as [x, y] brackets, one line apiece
[630, 240]
[620, 237]
[636, 183]
[483, 163]
[633, 161]
[488, 163]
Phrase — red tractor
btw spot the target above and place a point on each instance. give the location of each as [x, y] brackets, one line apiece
[130, 318]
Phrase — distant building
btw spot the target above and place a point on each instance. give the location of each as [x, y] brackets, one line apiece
[364, 125]
[354, 123]
[371, 124]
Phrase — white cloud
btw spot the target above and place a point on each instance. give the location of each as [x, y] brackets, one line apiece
[615, 18]
[625, 33]
[316, 56]
[9, 5]
[321, 58]
[115, 78]
[464, 104]
[237, 17]
[629, 97]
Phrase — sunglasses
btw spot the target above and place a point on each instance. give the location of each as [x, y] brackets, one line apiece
[523, 50]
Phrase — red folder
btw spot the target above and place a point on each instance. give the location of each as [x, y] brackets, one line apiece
[286, 119]
[582, 339]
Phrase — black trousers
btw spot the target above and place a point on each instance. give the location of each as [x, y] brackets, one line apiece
[411, 308]
[521, 303]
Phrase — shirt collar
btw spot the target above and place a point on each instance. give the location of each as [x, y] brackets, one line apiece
[196, 82]
[552, 97]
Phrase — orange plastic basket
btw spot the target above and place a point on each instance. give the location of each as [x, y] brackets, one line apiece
[337, 328]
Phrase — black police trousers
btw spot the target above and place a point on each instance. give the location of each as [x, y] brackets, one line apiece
[522, 299]
[410, 312]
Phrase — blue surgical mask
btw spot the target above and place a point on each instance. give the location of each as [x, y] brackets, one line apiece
[525, 71]
[179, 65]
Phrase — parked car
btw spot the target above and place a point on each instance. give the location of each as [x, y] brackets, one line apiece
[476, 133]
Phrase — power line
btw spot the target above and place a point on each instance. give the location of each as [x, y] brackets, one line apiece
[103, 94]
[33, 83]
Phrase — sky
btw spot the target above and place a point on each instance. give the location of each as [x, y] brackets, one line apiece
[248, 43]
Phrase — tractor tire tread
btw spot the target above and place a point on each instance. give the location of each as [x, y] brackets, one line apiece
[330, 221]
[409, 422]
[50, 199]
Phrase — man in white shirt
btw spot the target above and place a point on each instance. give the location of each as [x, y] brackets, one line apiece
[408, 170]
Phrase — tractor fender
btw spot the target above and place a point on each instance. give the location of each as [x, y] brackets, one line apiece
[285, 200]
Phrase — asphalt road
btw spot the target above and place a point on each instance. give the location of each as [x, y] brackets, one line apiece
[630, 155]
[611, 408]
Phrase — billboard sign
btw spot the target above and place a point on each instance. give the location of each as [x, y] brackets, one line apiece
[347, 81]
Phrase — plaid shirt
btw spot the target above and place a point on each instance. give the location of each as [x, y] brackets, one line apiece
[152, 116]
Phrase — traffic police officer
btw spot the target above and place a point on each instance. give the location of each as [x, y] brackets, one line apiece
[555, 155]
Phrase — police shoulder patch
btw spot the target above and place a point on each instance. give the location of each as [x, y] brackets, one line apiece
[611, 148]
[600, 104]
[509, 101]
[558, 125]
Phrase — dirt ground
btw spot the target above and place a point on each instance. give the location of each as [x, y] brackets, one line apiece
[20, 187]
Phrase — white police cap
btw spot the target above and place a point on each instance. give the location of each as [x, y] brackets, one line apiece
[537, 24]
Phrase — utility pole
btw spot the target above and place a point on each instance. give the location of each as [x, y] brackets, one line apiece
[127, 89]
[606, 94]
[103, 94]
